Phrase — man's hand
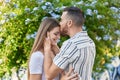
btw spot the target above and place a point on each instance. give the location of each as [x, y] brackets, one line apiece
[70, 75]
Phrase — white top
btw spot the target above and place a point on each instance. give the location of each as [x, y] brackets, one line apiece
[36, 64]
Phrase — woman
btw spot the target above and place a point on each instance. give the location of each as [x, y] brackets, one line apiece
[35, 69]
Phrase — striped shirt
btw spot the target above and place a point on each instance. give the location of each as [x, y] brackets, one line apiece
[78, 51]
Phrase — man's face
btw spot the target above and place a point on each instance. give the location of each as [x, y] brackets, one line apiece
[63, 24]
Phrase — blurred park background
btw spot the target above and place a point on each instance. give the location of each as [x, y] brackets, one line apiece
[20, 19]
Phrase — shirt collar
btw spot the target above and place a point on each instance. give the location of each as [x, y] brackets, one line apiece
[81, 33]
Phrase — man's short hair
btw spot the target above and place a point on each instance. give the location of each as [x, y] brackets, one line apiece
[76, 15]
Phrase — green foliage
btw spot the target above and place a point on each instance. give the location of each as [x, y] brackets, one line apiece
[20, 20]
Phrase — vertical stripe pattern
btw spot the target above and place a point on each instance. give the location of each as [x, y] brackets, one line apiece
[79, 51]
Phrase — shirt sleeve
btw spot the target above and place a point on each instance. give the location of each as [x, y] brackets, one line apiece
[36, 63]
[66, 56]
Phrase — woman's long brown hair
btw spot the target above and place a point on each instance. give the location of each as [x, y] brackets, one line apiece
[46, 25]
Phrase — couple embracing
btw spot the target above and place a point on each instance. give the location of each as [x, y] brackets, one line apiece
[73, 61]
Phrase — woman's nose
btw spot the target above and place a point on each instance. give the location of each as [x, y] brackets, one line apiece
[59, 36]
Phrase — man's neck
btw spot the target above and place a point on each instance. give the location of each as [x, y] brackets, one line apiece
[75, 30]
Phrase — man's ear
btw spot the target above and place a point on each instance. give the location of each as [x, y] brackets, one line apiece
[69, 23]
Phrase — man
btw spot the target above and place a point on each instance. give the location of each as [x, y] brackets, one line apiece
[78, 51]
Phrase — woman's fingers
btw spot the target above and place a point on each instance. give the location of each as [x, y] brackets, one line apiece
[48, 38]
[47, 44]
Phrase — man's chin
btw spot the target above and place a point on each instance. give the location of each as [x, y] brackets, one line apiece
[64, 34]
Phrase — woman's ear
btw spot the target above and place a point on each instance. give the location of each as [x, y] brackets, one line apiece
[48, 34]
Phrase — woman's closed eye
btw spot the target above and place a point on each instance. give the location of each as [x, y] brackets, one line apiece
[57, 33]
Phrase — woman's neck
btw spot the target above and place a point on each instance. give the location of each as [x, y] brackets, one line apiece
[42, 50]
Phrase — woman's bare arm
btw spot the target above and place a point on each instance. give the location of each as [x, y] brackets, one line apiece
[35, 77]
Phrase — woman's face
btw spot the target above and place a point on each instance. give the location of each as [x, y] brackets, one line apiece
[55, 34]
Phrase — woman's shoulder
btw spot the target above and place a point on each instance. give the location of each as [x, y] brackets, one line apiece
[37, 55]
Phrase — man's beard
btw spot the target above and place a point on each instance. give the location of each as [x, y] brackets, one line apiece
[64, 32]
